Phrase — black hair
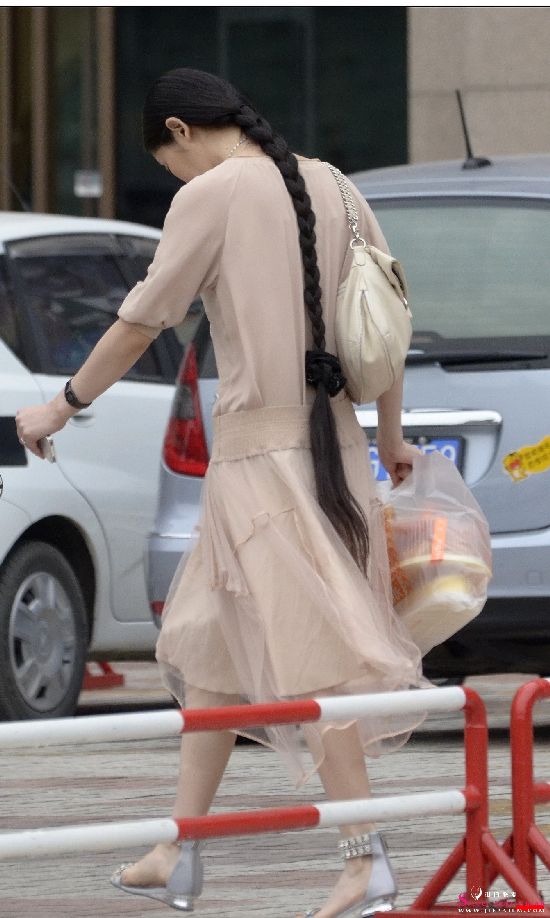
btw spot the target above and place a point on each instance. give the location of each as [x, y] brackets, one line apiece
[200, 98]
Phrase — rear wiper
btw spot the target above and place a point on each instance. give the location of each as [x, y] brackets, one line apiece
[465, 357]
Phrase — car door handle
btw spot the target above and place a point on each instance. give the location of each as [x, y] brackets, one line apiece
[82, 419]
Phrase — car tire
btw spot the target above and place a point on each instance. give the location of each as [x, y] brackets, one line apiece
[43, 634]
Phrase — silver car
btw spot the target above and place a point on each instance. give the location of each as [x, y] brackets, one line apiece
[474, 243]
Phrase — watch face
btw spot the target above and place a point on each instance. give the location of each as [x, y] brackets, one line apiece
[68, 392]
[72, 399]
[70, 396]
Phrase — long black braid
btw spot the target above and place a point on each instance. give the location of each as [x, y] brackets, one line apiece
[200, 98]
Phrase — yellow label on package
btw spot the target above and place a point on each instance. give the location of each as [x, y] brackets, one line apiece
[528, 460]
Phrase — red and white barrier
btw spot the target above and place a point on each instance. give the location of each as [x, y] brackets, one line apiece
[483, 857]
[111, 835]
[528, 840]
[104, 728]
[106, 678]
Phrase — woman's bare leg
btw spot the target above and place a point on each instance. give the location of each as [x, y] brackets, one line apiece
[203, 760]
[344, 777]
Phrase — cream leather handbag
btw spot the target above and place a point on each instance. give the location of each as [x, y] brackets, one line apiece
[373, 319]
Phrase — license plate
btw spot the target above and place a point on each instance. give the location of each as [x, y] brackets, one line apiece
[451, 447]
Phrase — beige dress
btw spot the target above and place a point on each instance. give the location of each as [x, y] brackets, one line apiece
[269, 603]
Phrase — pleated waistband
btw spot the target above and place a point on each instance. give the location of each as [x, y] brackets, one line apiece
[237, 434]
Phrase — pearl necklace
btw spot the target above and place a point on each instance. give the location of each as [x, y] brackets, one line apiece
[242, 140]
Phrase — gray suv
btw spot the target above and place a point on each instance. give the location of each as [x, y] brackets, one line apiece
[474, 243]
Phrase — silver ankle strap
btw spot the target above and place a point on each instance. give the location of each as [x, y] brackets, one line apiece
[358, 846]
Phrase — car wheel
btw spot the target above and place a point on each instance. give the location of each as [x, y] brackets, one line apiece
[43, 634]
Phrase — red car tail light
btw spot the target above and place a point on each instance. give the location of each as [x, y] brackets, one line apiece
[157, 608]
[185, 450]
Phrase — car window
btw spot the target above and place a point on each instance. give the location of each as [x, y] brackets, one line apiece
[204, 349]
[9, 327]
[72, 286]
[475, 269]
[141, 252]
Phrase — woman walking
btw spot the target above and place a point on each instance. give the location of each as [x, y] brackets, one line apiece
[286, 593]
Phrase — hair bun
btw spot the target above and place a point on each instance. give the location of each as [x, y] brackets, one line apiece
[325, 368]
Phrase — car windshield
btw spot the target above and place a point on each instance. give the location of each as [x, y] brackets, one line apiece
[475, 269]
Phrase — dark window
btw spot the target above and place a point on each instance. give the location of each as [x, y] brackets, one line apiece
[361, 85]
[140, 253]
[72, 287]
[149, 41]
[269, 53]
[206, 357]
[9, 328]
[196, 328]
[332, 80]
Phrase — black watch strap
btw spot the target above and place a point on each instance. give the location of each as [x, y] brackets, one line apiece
[72, 399]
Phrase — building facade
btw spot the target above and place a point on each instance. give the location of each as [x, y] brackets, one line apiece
[498, 57]
[331, 79]
[360, 86]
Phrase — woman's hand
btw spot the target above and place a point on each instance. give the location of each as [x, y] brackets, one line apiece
[396, 457]
[113, 355]
[39, 421]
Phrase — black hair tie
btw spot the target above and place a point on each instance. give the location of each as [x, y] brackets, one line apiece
[322, 367]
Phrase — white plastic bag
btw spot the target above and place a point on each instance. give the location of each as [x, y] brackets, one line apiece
[440, 551]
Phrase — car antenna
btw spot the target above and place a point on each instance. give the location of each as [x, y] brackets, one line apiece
[471, 161]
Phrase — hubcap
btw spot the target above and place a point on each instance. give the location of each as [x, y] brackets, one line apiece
[42, 638]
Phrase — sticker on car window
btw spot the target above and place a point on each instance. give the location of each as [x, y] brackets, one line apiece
[528, 460]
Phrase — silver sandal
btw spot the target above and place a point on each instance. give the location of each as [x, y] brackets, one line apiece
[184, 884]
[381, 889]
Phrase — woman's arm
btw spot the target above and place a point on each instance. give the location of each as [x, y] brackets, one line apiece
[395, 455]
[115, 352]
[186, 262]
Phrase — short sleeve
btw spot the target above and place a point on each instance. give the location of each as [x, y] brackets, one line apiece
[187, 256]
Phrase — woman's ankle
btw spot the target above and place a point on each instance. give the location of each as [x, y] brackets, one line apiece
[166, 847]
[357, 865]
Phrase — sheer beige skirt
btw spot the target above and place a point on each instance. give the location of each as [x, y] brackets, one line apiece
[269, 605]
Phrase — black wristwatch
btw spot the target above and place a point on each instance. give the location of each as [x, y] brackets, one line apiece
[72, 399]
